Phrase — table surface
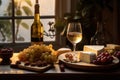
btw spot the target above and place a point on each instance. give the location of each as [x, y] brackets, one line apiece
[7, 72]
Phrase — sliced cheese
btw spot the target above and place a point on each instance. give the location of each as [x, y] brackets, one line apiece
[87, 57]
[94, 48]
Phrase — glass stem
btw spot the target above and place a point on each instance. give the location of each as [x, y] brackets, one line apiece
[74, 47]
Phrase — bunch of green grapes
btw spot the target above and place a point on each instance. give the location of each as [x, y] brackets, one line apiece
[37, 52]
[48, 57]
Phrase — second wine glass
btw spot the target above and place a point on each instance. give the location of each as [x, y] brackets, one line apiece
[74, 33]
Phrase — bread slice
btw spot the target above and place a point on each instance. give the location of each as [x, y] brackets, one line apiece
[63, 50]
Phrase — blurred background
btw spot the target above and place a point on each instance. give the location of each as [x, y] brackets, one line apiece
[16, 17]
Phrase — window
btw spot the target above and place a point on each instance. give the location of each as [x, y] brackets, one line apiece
[16, 17]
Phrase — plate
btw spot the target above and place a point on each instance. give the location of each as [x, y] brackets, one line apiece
[88, 66]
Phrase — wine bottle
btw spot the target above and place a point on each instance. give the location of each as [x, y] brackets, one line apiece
[37, 27]
[99, 37]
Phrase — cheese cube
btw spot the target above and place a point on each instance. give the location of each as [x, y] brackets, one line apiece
[94, 48]
[87, 57]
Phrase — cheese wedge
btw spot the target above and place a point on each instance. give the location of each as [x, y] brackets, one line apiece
[113, 46]
[93, 48]
[87, 57]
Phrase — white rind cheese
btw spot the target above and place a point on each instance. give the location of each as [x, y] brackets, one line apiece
[87, 57]
[93, 48]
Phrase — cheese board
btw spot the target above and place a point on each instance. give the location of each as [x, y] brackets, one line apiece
[38, 69]
[88, 66]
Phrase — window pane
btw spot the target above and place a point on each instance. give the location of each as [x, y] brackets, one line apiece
[5, 31]
[25, 8]
[47, 7]
[6, 8]
[22, 30]
[49, 33]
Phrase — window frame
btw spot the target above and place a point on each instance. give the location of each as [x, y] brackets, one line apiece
[13, 18]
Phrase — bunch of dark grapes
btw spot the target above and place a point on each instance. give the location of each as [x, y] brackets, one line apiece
[117, 54]
[103, 58]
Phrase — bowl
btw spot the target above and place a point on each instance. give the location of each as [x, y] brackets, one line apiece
[6, 54]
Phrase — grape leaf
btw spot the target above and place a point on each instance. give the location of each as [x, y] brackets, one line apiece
[18, 12]
[28, 2]
[25, 25]
[27, 10]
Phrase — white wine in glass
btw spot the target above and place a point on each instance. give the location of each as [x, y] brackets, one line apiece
[74, 33]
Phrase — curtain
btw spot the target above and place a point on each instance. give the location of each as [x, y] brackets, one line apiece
[64, 6]
[116, 22]
[119, 22]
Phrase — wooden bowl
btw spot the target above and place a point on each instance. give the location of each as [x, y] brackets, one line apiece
[6, 54]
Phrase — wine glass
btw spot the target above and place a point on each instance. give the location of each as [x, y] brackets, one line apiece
[74, 33]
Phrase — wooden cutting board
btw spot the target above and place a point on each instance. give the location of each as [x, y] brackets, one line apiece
[14, 58]
[31, 68]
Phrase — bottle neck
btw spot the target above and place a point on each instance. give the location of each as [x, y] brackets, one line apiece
[37, 15]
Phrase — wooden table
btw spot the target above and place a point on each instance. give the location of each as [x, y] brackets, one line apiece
[9, 73]
[6, 72]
